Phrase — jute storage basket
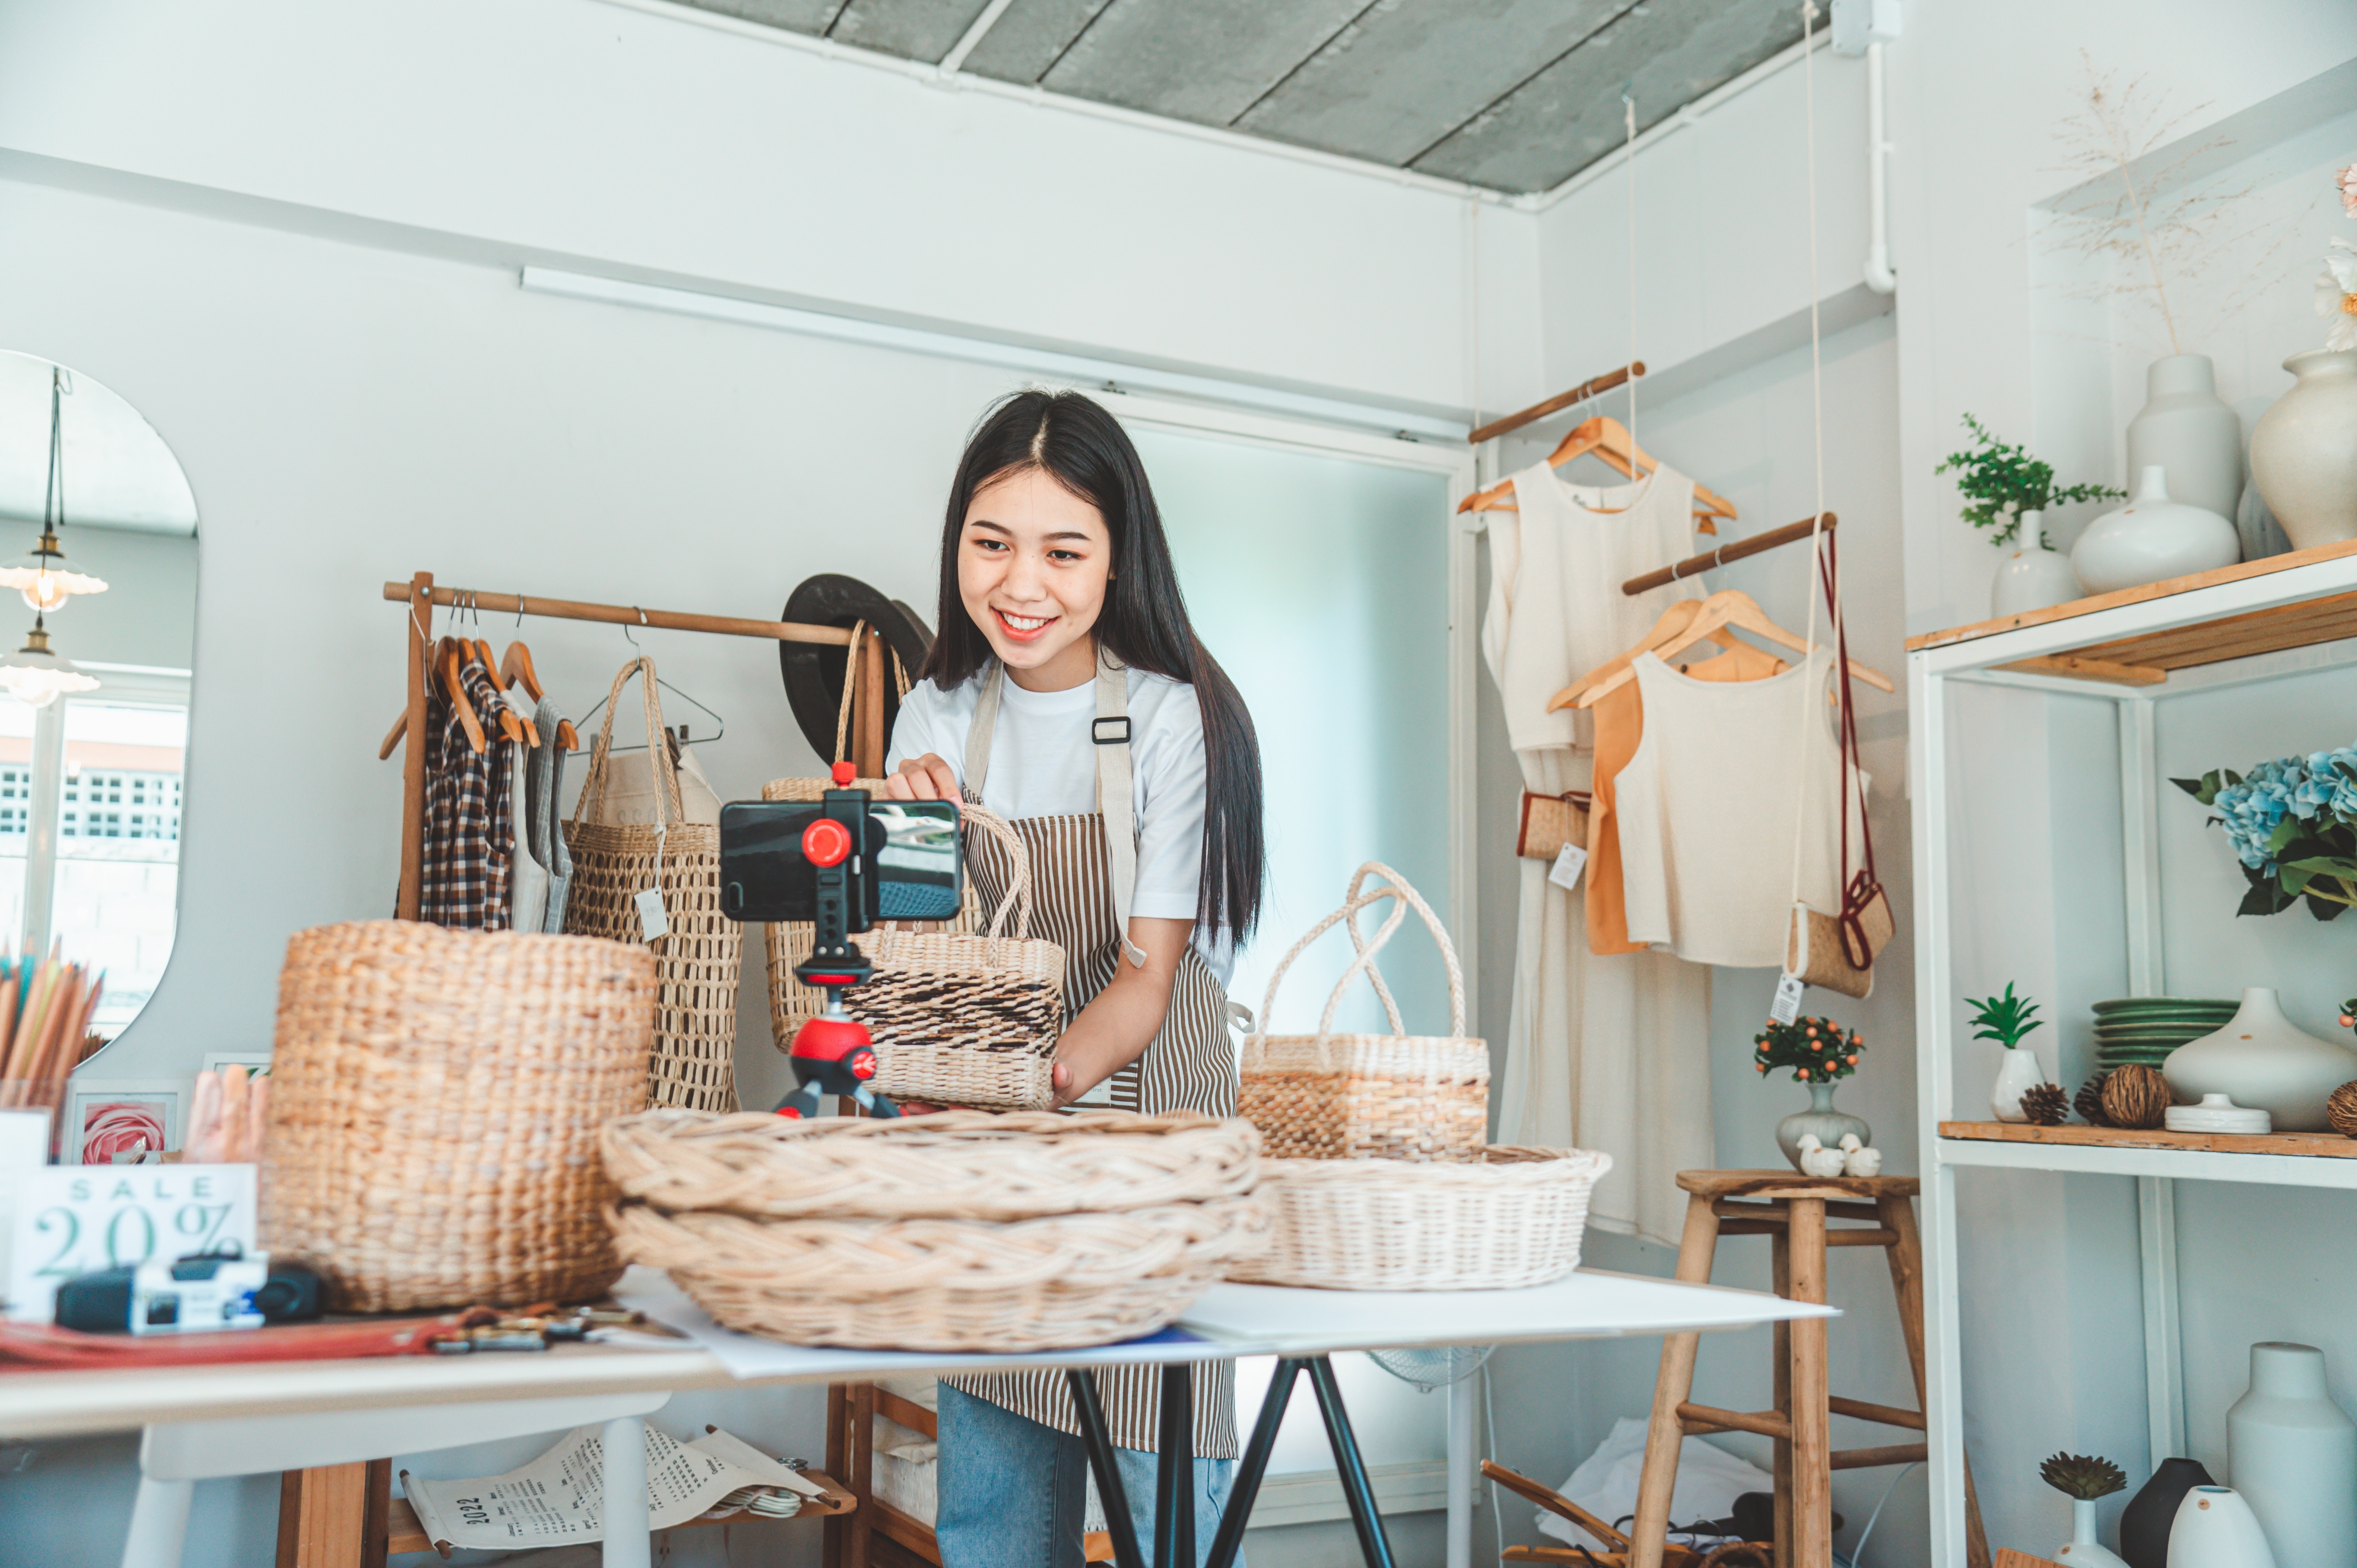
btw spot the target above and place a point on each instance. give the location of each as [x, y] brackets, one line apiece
[957, 1231]
[1512, 1218]
[696, 960]
[436, 1099]
[1397, 1096]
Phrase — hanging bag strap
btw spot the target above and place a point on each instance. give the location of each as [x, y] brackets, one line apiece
[1017, 898]
[1394, 888]
[1859, 890]
[842, 712]
[668, 807]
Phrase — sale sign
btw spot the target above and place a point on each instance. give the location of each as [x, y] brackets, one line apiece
[77, 1220]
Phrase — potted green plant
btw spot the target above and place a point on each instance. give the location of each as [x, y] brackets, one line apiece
[2083, 1478]
[1819, 1053]
[2008, 1020]
[2008, 492]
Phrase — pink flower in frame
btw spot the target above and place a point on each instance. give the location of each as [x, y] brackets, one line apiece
[120, 1127]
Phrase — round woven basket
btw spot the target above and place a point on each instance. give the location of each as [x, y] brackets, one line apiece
[956, 1232]
[1513, 1218]
[436, 1097]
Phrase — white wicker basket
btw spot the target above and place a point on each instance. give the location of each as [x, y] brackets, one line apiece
[1514, 1217]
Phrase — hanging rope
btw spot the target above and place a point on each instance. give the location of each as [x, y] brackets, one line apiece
[1629, 158]
[1809, 695]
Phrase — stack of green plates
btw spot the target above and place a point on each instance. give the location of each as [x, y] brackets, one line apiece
[2146, 1029]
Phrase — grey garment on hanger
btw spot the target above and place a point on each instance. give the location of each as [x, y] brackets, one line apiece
[527, 875]
[543, 806]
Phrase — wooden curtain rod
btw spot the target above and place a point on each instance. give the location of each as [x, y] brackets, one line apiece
[1538, 411]
[1725, 552]
[628, 615]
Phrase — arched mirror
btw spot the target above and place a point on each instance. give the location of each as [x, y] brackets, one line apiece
[98, 592]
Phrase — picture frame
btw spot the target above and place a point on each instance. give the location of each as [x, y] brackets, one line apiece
[255, 1063]
[126, 1108]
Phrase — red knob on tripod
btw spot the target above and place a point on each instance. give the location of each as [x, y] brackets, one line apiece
[826, 843]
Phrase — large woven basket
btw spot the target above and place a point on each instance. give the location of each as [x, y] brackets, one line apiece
[696, 960]
[436, 1098]
[1512, 1218]
[1397, 1096]
[958, 1232]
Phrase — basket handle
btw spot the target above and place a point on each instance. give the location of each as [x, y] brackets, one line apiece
[843, 714]
[666, 777]
[1359, 944]
[1405, 897]
[1018, 891]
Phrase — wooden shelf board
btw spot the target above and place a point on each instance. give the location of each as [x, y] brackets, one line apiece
[2240, 636]
[2318, 1146]
[403, 1533]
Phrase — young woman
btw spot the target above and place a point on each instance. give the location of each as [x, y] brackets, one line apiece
[1068, 693]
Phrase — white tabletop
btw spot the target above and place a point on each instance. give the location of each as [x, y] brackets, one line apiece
[1228, 1320]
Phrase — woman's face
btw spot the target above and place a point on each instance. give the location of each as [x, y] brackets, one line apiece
[1033, 563]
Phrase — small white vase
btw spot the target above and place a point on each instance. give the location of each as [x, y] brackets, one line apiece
[2083, 1550]
[2186, 427]
[2018, 1072]
[2294, 1457]
[2033, 577]
[2215, 1529]
[2304, 450]
[2153, 538]
[2263, 1060]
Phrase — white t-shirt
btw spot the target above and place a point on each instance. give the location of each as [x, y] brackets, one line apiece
[1044, 764]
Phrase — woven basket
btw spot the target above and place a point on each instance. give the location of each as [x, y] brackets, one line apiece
[696, 961]
[436, 1097]
[960, 1231]
[1513, 1218]
[1397, 1096]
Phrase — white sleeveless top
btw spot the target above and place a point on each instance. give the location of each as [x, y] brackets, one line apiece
[1706, 809]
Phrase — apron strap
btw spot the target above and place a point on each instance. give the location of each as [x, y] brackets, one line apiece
[1110, 731]
[978, 733]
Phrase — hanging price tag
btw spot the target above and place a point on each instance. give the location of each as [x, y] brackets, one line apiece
[1787, 1006]
[652, 920]
[1569, 861]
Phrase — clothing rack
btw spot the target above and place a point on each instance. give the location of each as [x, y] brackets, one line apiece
[1736, 551]
[1561, 400]
[420, 594]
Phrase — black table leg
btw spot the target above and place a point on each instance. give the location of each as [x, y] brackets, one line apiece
[1098, 1440]
[1357, 1490]
[1254, 1465]
[1174, 1492]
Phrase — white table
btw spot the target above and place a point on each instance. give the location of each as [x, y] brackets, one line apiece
[1300, 1327]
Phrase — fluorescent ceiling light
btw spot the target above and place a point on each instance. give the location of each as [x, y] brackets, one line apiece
[1078, 368]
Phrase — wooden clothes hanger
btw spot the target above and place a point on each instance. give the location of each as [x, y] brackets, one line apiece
[515, 666]
[1672, 622]
[1726, 607]
[1610, 440]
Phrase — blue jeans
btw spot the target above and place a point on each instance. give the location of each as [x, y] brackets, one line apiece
[1014, 1493]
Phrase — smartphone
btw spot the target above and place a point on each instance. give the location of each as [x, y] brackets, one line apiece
[909, 865]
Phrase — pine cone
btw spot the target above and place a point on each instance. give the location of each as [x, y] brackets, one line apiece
[2046, 1105]
[2085, 1477]
[2089, 1101]
[2341, 1110]
[2136, 1096]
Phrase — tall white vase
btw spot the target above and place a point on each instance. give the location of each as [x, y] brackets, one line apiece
[2186, 427]
[2294, 1457]
[2152, 538]
[2304, 450]
[2033, 577]
[2264, 1062]
[2216, 1529]
[2017, 1073]
[2083, 1550]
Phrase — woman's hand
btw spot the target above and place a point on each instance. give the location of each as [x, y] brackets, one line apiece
[1114, 1029]
[926, 777]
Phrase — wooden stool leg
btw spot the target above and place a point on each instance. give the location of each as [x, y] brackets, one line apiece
[1812, 1476]
[1906, 1255]
[1664, 1434]
[1780, 1464]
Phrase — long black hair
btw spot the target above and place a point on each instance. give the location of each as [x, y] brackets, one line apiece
[1144, 622]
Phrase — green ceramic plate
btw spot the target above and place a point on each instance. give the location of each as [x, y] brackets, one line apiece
[2164, 1005]
[2175, 1032]
[2122, 1058]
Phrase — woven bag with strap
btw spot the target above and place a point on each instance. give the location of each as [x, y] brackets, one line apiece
[697, 957]
[962, 1019]
[1395, 1096]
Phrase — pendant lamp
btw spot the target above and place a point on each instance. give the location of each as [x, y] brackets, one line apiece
[35, 677]
[45, 584]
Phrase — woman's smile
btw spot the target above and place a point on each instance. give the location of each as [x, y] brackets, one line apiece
[1023, 628]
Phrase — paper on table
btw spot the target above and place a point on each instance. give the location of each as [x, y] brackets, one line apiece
[561, 1495]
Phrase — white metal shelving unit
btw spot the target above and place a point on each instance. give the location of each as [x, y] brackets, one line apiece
[2142, 646]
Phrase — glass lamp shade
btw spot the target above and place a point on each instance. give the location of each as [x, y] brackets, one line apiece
[45, 588]
[36, 676]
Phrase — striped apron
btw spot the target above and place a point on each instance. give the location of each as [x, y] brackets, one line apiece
[1083, 876]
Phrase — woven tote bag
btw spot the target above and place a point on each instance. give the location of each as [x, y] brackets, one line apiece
[1397, 1096]
[696, 959]
[435, 1107]
[967, 1020]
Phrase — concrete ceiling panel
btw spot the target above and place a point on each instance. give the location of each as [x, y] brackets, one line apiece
[914, 29]
[1407, 72]
[1029, 36]
[1204, 60]
[795, 16]
[1665, 53]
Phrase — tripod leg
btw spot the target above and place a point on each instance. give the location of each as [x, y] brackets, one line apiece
[877, 1104]
[802, 1104]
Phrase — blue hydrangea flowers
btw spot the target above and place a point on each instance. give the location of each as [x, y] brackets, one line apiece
[2292, 824]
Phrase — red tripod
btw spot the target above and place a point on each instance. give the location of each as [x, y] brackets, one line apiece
[832, 1053]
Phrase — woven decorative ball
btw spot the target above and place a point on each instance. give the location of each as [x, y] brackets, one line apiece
[2136, 1096]
[434, 1103]
[955, 1232]
[2341, 1110]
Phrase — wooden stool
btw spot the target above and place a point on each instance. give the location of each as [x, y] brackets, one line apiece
[1792, 1210]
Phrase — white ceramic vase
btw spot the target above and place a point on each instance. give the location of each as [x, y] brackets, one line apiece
[2153, 538]
[2083, 1550]
[2033, 577]
[2186, 427]
[2263, 1060]
[2304, 450]
[2016, 1074]
[2216, 1529]
[2294, 1457]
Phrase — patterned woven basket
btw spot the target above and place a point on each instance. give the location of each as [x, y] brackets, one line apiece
[1514, 1217]
[1397, 1096]
[695, 1060]
[436, 1098]
[960, 1231]
[967, 1020]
